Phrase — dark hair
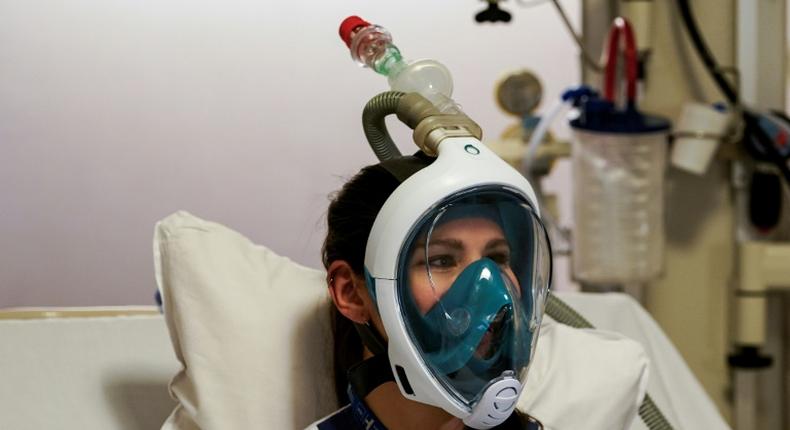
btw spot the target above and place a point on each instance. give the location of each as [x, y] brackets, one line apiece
[349, 222]
[350, 218]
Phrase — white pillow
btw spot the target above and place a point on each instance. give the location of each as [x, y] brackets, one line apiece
[252, 332]
[251, 329]
[585, 379]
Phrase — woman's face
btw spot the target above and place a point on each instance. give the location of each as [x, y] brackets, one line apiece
[454, 246]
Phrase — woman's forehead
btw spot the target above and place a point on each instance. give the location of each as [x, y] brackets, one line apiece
[468, 227]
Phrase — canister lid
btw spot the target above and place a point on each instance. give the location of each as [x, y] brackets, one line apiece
[601, 115]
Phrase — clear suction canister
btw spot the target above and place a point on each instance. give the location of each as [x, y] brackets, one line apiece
[619, 158]
[618, 197]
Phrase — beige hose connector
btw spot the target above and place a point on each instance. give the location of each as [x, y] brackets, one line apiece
[430, 126]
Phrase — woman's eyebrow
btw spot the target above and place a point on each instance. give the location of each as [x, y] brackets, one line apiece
[496, 243]
[452, 243]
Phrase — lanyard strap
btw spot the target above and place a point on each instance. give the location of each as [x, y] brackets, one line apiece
[362, 415]
[365, 419]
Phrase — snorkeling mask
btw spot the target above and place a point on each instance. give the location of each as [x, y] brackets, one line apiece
[459, 266]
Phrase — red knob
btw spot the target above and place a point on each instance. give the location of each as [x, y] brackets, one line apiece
[348, 26]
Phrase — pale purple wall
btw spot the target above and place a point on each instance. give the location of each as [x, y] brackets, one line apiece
[115, 113]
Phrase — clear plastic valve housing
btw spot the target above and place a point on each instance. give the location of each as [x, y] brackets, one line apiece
[424, 77]
[372, 46]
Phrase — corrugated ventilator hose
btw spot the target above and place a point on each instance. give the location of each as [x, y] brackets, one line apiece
[373, 123]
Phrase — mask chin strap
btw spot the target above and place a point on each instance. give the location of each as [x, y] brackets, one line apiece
[367, 375]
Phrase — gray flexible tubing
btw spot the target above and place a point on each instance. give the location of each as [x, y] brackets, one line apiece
[374, 126]
[563, 313]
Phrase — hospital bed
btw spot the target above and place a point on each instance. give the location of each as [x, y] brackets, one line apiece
[109, 368]
[84, 368]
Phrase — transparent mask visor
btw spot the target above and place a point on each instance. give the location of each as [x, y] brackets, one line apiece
[472, 284]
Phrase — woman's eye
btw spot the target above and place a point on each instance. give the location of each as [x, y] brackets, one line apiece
[500, 258]
[441, 261]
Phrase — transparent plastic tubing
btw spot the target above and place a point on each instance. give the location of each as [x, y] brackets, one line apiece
[569, 97]
[540, 132]
[374, 126]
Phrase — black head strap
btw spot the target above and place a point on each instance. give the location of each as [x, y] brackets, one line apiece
[367, 375]
[371, 339]
[403, 167]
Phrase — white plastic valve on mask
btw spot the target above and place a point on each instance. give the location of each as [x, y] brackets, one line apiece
[495, 405]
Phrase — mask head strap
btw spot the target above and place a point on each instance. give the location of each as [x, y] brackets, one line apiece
[368, 374]
[402, 167]
[371, 339]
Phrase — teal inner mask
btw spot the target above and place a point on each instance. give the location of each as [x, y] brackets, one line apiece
[470, 334]
[477, 301]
